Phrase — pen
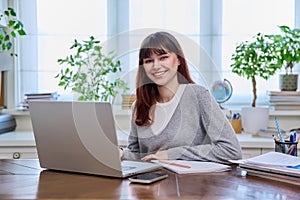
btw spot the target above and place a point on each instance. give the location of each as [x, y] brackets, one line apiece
[174, 164]
[291, 137]
[294, 136]
[278, 130]
[292, 147]
[279, 134]
[230, 115]
[236, 116]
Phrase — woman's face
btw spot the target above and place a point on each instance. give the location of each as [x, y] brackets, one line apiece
[162, 69]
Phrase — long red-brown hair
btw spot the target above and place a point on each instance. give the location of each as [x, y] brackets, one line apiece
[146, 91]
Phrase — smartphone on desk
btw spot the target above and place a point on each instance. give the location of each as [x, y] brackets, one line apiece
[148, 178]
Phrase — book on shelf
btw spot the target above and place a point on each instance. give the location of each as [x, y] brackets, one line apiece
[273, 165]
[37, 96]
[285, 103]
[286, 107]
[127, 101]
[41, 95]
[283, 93]
[284, 100]
[191, 167]
[295, 99]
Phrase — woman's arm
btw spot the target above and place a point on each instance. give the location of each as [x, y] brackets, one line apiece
[131, 152]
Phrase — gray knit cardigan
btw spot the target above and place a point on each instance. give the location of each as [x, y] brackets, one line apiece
[198, 130]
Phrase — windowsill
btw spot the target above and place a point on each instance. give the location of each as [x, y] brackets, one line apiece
[127, 112]
[26, 138]
[117, 111]
[16, 112]
[17, 138]
[271, 113]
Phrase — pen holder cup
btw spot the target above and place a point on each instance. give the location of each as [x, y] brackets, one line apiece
[286, 147]
[236, 125]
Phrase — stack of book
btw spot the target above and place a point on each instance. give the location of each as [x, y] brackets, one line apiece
[38, 96]
[285, 100]
[127, 101]
[273, 165]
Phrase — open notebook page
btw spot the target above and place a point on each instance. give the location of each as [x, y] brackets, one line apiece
[193, 166]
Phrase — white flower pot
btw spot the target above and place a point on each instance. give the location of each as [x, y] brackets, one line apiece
[254, 118]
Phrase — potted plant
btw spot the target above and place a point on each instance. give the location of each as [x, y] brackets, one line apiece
[254, 59]
[288, 51]
[87, 71]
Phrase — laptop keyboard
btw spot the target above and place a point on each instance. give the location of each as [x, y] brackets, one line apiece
[127, 168]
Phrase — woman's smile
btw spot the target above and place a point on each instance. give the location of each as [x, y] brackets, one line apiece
[159, 73]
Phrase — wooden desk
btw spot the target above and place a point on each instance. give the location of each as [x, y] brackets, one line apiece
[24, 179]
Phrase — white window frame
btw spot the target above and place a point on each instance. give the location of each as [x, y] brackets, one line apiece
[210, 24]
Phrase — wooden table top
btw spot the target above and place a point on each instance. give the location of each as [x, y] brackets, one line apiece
[24, 179]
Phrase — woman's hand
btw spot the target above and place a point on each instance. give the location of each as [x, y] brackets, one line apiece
[160, 155]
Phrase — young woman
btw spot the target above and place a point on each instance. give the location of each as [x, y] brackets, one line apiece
[173, 118]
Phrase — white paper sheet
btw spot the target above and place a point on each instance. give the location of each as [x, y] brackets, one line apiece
[195, 166]
[274, 158]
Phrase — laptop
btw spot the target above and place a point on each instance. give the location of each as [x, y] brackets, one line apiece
[80, 137]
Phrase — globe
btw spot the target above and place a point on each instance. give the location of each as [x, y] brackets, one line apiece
[221, 90]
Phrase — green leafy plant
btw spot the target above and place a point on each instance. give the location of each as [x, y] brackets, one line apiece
[14, 27]
[254, 59]
[87, 70]
[287, 47]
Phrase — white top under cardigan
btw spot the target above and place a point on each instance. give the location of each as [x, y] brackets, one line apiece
[164, 111]
[197, 130]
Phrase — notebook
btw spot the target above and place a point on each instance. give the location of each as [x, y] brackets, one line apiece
[273, 165]
[80, 137]
[192, 167]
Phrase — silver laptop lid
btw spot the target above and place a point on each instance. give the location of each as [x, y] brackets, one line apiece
[76, 136]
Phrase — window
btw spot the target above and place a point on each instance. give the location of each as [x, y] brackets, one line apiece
[52, 26]
[212, 28]
[175, 15]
